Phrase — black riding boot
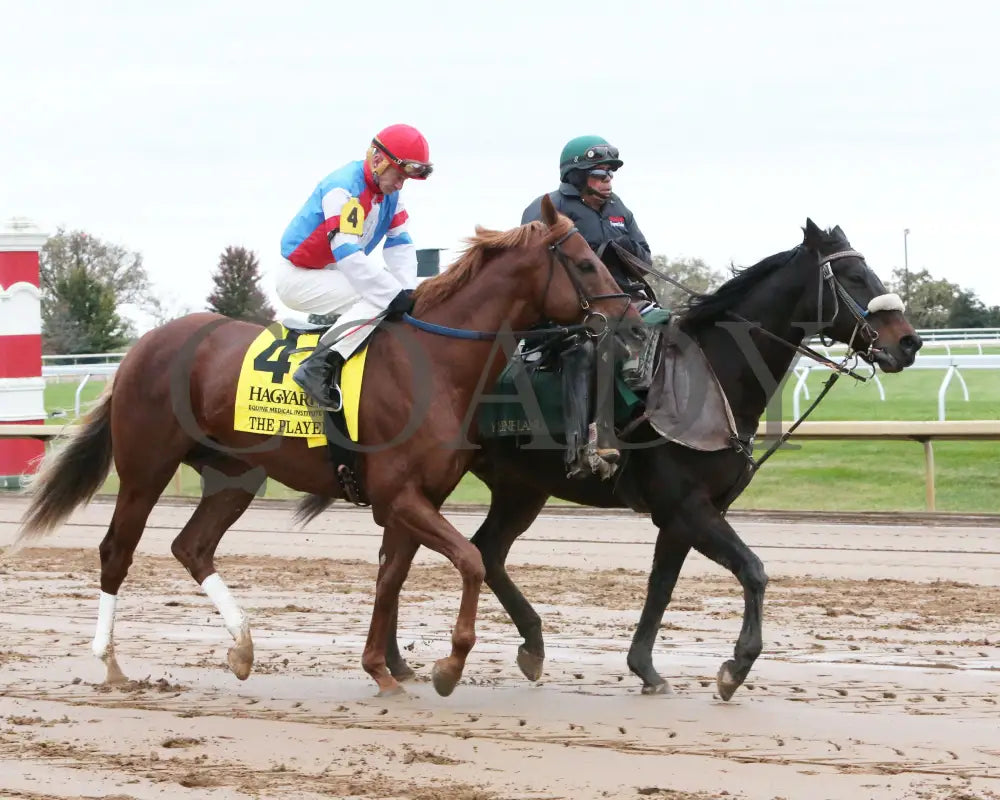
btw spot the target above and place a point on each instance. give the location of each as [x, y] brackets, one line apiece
[317, 374]
[584, 454]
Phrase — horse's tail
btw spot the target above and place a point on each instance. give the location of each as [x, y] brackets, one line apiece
[70, 475]
[310, 507]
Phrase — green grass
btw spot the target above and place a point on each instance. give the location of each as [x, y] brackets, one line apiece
[838, 476]
[62, 397]
[908, 396]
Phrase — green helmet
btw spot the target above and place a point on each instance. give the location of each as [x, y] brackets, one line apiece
[585, 152]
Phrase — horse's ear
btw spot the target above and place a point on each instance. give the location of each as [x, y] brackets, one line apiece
[549, 213]
[812, 235]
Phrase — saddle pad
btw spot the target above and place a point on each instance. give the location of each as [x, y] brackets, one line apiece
[685, 402]
[350, 386]
[269, 402]
[504, 415]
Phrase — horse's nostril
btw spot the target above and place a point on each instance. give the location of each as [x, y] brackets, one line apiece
[910, 343]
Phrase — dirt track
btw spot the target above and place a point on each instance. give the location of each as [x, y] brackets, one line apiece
[879, 678]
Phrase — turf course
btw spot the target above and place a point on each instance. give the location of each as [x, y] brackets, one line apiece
[838, 476]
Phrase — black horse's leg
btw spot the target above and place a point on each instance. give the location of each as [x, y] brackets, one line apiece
[713, 537]
[513, 507]
[672, 547]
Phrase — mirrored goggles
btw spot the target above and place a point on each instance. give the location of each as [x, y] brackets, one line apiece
[601, 152]
[602, 174]
[409, 167]
[415, 169]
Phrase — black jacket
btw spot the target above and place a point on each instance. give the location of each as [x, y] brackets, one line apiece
[613, 221]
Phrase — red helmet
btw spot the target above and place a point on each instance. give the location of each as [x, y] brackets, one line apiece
[407, 149]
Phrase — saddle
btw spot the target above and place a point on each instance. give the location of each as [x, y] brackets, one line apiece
[683, 403]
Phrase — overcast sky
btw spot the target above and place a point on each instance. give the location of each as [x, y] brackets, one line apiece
[179, 128]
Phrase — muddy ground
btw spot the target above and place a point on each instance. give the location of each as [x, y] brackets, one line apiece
[880, 676]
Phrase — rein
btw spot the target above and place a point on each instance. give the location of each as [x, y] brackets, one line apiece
[464, 333]
[885, 302]
[827, 274]
[556, 253]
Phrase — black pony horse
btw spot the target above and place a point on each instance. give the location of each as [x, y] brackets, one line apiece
[821, 285]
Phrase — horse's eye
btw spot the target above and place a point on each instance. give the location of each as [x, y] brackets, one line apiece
[585, 266]
[856, 277]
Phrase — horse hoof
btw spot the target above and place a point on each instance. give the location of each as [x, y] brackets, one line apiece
[530, 664]
[657, 688]
[240, 656]
[391, 691]
[726, 684]
[445, 677]
[116, 679]
[113, 673]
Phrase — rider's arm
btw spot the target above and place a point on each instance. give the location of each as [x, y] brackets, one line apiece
[366, 275]
[399, 252]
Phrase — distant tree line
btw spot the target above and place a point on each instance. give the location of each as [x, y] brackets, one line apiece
[938, 303]
[85, 283]
[930, 302]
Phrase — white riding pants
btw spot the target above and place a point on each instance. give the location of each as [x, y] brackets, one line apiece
[327, 291]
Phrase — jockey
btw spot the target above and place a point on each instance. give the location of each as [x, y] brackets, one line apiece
[587, 167]
[328, 267]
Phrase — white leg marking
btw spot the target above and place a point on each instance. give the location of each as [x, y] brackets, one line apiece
[232, 615]
[105, 624]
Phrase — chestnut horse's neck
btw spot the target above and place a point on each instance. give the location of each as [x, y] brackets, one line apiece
[506, 293]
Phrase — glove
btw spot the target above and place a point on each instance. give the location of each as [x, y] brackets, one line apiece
[401, 304]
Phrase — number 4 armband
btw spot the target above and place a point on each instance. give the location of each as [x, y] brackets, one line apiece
[352, 217]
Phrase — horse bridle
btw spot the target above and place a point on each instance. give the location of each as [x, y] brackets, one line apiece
[557, 254]
[882, 302]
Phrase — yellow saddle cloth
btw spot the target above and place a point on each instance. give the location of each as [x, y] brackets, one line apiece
[269, 402]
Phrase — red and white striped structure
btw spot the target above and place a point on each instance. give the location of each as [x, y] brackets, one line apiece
[21, 386]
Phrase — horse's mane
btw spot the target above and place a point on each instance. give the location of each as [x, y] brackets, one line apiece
[482, 248]
[704, 309]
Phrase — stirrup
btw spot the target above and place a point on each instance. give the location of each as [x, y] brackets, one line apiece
[610, 454]
[603, 461]
[594, 460]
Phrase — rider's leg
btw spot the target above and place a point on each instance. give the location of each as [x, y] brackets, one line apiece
[321, 369]
[318, 371]
[317, 291]
[585, 451]
[602, 426]
[575, 396]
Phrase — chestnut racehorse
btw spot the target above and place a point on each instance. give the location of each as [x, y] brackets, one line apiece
[172, 403]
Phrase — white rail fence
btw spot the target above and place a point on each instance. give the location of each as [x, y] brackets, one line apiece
[923, 431]
[952, 366]
[943, 338]
[85, 366]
